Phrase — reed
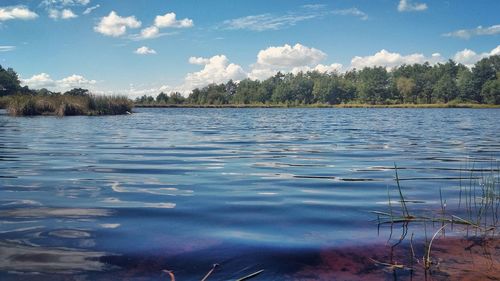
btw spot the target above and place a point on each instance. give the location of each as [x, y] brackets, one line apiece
[481, 206]
[64, 105]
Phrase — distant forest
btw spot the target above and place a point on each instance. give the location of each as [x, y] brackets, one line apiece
[407, 84]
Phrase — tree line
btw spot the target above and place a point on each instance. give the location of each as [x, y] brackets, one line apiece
[414, 84]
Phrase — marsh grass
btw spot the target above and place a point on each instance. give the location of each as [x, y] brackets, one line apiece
[63, 105]
[479, 200]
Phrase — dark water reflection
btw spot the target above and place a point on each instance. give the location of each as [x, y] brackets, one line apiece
[126, 196]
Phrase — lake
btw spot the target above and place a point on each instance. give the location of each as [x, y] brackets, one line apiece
[123, 197]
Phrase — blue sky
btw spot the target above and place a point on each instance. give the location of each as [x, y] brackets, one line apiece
[144, 47]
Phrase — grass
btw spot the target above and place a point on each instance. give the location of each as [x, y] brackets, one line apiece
[62, 105]
[481, 206]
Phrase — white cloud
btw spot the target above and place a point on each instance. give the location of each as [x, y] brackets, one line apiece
[478, 31]
[169, 20]
[469, 57]
[410, 6]
[288, 56]
[264, 22]
[7, 48]
[166, 21]
[64, 3]
[38, 81]
[198, 60]
[43, 80]
[134, 91]
[150, 32]
[390, 60]
[75, 81]
[114, 25]
[314, 6]
[64, 14]
[217, 69]
[91, 9]
[16, 12]
[351, 12]
[334, 67]
[145, 51]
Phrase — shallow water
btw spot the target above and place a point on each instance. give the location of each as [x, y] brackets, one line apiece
[122, 197]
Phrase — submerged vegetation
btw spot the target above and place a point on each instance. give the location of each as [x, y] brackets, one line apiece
[444, 84]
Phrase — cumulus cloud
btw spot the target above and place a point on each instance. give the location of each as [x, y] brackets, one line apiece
[334, 67]
[410, 6]
[43, 80]
[145, 51]
[7, 48]
[478, 31]
[150, 32]
[61, 14]
[137, 91]
[91, 9]
[38, 81]
[75, 81]
[16, 12]
[469, 57]
[217, 69]
[390, 60]
[169, 20]
[115, 25]
[351, 12]
[288, 56]
[198, 60]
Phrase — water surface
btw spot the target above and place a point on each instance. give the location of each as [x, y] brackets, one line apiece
[126, 196]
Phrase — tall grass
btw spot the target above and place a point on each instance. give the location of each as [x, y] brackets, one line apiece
[63, 105]
[480, 209]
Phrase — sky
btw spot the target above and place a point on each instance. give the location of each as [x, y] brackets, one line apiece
[133, 48]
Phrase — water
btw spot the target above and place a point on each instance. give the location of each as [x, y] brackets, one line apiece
[125, 196]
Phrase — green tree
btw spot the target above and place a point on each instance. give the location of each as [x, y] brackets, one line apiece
[176, 98]
[445, 89]
[373, 85]
[465, 85]
[162, 98]
[491, 91]
[77, 92]
[406, 86]
[9, 81]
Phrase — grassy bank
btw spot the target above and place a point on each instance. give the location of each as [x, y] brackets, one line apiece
[64, 105]
[319, 105]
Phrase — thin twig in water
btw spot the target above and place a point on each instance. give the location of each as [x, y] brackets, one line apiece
[428, 258]
[210, 272]
[251, 275]
[170, 273]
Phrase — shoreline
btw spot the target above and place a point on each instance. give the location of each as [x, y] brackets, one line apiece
[460, 105]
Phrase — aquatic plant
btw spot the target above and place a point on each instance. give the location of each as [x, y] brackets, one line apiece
[479, 200]
[67, 105]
